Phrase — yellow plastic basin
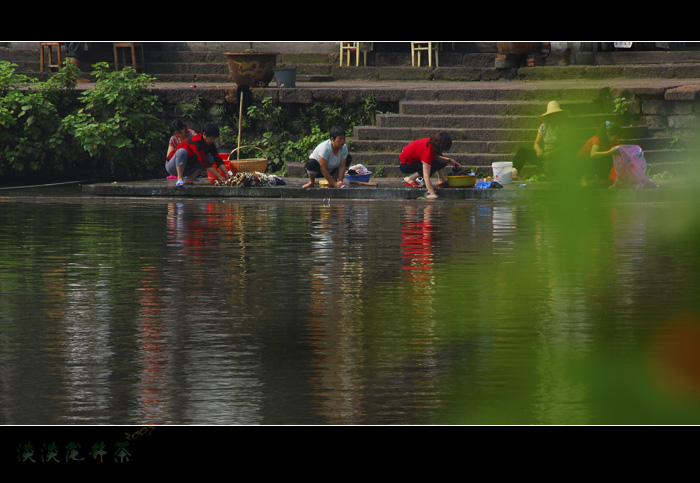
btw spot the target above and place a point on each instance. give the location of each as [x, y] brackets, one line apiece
[462, 180]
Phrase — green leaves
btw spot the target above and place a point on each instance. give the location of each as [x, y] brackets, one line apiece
[47, 127]
[289, 134]
[119, 125]
[28, 119]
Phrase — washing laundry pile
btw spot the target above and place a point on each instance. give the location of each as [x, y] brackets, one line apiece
[242, 179]
[484, 185]
[357, 169]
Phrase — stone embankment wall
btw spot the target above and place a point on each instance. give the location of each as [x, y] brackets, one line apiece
[665, 111]
[673, 108]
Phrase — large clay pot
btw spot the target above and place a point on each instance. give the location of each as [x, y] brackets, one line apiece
[517, 47]
[254, 69]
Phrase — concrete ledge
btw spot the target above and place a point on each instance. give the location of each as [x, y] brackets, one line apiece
[668, 191]
[293, 191]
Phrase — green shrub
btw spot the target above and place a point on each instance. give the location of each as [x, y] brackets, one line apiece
[49, 130]
[290, 134]
[120, 124]
[30, 116]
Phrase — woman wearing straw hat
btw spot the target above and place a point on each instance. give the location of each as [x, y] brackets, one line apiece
[549, 142]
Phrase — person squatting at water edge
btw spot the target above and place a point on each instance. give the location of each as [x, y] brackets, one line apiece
[596, 155]
[550, 143]
[195, 155]
[425, 156]
[179, 133]
[329, 160]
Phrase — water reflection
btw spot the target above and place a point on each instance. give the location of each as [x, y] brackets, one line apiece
[342, 313]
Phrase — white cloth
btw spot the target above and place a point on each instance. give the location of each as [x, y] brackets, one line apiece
[359, 169]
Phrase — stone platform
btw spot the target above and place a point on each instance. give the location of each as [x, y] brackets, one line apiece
[388, 189]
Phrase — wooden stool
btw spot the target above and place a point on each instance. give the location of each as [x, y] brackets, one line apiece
[124, 48]
[50, 46]
[430, 47]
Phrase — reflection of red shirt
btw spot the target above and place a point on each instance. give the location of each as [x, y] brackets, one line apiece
[416, 151]
[417, 245]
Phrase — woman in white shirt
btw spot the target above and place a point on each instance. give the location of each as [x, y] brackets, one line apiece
[329, 160]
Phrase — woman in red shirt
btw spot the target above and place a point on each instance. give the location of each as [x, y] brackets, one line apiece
[425, 156]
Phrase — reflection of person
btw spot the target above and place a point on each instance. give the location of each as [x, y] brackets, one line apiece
[424, 156]
[192, 156]
[549, 143]
[329, 160]
[180, 133]
[417, 237]
[597, 153]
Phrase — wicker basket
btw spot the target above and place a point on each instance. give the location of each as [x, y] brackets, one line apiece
[248, 165]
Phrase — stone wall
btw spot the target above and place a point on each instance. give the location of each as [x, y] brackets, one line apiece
[665, 111]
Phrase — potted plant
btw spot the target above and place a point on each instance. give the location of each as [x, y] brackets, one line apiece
[254, 69]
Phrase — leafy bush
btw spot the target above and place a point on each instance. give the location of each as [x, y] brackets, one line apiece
[290, 134]
[120, 124]
[30, 116]
[47, 128]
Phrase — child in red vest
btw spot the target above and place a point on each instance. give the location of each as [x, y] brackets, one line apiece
[195, 155]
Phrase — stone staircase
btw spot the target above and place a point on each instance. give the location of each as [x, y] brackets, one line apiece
[210, 66]
[171, 62]
[488, 125]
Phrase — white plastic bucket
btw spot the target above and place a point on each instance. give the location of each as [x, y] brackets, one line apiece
[503, 172]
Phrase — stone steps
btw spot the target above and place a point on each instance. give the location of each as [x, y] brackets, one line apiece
[497, 146]
[483, 131]
[211, 66]
[174, 61]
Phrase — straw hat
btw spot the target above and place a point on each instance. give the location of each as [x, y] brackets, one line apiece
[553, 108]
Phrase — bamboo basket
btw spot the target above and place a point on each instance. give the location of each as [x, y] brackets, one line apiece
[247, 165]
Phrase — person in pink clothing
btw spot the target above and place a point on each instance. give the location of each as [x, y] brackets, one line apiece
[425, 156]
[180, 133]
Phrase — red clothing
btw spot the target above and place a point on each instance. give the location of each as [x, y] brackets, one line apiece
[197, 150]
[417, 151]
[585, 152]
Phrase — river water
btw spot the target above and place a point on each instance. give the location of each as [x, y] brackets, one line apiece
[234, 312]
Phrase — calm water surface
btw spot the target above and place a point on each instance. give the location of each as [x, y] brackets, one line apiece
[310, 312]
